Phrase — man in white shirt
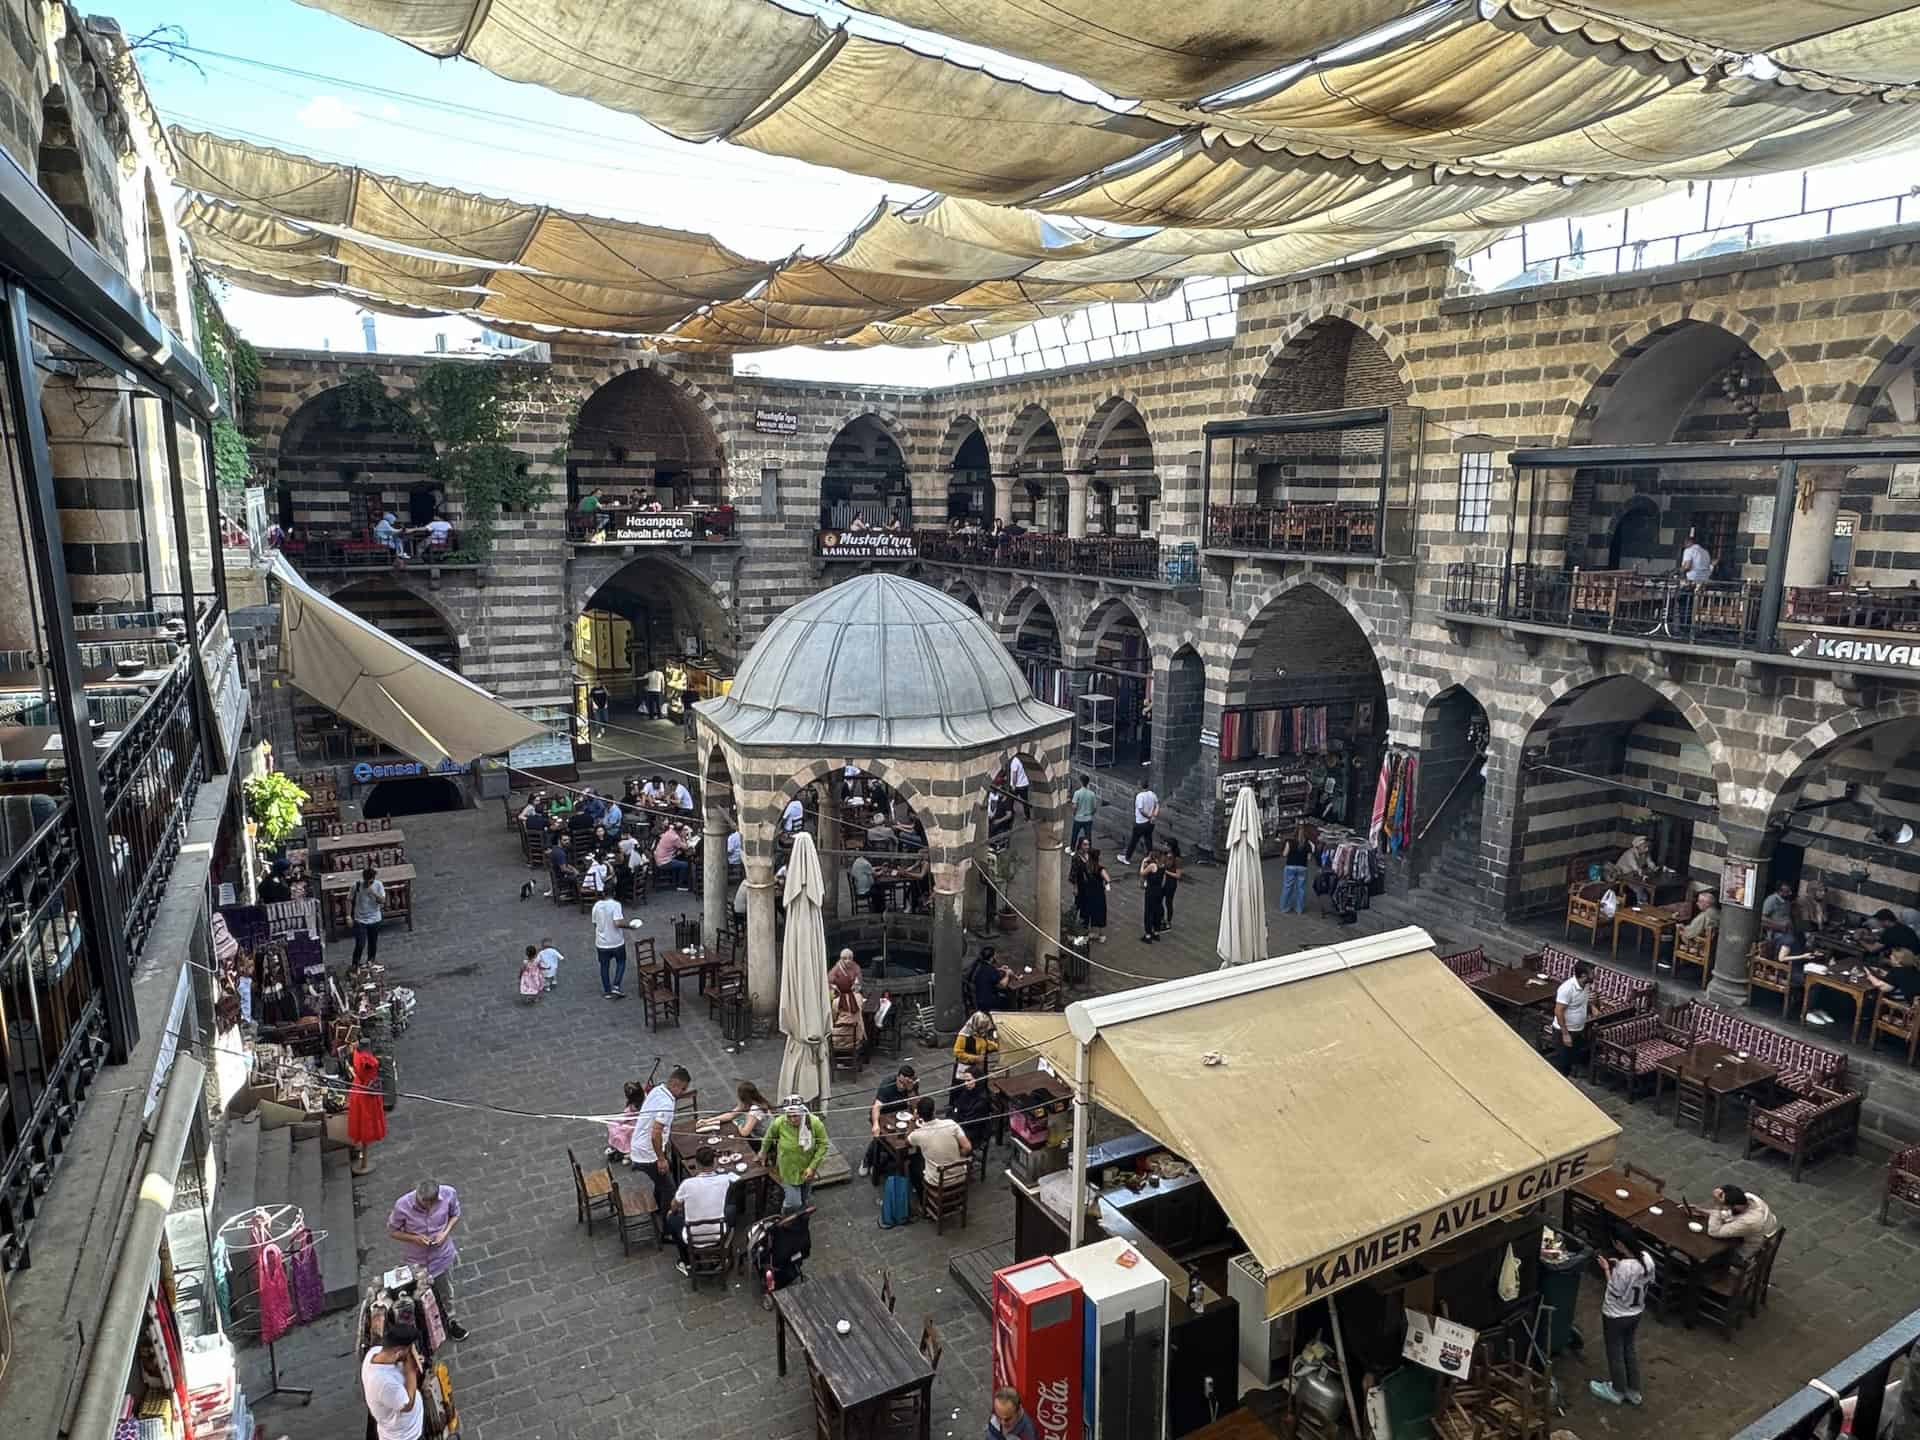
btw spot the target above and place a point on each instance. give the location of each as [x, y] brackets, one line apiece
[549, 960]
[700, 1201]
[935, 1143]
[651, 1127]
[594, 882]
[610, 943]
[794, 816]
[390, 1381]
[736, 851]
[1146, 809]
[439, 532]
[1696, 562]
[1017, 782]
[1570, 1019]
[682, 797]
[653, 685]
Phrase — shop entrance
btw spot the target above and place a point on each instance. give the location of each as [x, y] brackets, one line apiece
[652, 612]
[422, 795]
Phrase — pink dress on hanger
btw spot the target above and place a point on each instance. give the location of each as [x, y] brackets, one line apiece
[276, 1304]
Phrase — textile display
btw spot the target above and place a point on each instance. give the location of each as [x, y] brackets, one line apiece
[1392, 824]
[1284, 730]
[276, 1300]
[309, 1290]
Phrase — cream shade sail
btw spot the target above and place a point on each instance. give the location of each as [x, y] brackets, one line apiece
[1366, 1104]
[365, 676]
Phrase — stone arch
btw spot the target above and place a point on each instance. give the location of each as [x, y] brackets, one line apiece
[878, 766]
[964, 592]
[1111, 411]
[843, 473]
[959, 428]
[321, 464]
[1021, 604]
[61, 169]
[663, 587]
[1028, 423]
[1783, 775]
[1725, 789]
[399, 584]
[1100, 619]
[1290, 341]
[650, 434]
[626, 363]
[1180, 704]
[1858, 402]
[1257, 604]
[1573, 415]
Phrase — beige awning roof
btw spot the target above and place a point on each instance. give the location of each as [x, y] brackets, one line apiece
[365, 676]
[1367, 1106]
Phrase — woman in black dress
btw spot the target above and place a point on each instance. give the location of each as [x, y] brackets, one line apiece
[1090, 891]
[1170, 868]
[1153, 881]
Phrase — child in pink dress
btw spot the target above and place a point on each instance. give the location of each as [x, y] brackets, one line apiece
[533, 979]
[620, 1132]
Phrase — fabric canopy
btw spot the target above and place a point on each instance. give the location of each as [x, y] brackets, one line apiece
[1348, 1106]
[1243, 905]
[806, 1007]
[390, 690]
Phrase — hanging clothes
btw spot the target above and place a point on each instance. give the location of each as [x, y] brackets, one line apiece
[1382, 792]
[276, 1301]
[366, 1112]
[1405, 834]
[309, 1290]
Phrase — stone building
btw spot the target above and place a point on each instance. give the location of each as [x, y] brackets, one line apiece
[1356, 515]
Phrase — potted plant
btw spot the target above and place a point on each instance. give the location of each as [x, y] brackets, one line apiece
[273, 804]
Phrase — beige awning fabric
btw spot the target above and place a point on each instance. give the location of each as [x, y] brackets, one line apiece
[363, 675]
[1366, 1106]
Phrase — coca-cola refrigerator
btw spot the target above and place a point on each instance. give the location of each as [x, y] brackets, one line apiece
[1123, 1385]
[1038, 1343]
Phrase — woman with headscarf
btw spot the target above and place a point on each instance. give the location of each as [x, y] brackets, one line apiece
[849, 1024]
[976, 1043]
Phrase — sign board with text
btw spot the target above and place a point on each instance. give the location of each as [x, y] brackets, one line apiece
[864, 545]
[638, 527]
[1439, 1344]
[776, 422]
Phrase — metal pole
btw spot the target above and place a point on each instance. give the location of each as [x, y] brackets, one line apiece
[100, 920]
[140, 492]
[1774, 588]
[211, 744]
[1077, 1226]
[1386, 468]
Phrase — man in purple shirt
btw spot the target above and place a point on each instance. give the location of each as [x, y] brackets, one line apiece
[424, 1218]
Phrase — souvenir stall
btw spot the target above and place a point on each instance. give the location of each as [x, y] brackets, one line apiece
[1304, 761]
[1115, 718]
[404, 1293]
[1390, 828]
[708, 677]
[1396, 1279]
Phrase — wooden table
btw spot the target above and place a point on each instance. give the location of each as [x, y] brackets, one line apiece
[1515, 989]
[727, 1141]
[876, 1361]
[1719, 1069]
[1658, 921]
[1702, 1251]
[1836, 942]
[1022, 989]
[1864, 996]
[336, 894]
[357, 840]
[680, 963]
[1603, 1187]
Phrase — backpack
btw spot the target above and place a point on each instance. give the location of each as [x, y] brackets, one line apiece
[894, 1202]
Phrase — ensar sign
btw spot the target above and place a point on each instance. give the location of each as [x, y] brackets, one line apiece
[1288, 1289]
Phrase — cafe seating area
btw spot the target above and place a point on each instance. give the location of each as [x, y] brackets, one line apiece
[356, 548]
[1853, 607]
[1296, 527]
[1122, 557]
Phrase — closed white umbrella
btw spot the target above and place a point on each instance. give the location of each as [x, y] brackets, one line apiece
[806, 1004]
[1243, 909]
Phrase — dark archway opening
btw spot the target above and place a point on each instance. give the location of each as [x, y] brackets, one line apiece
[421, 795]
[343, 464]
[970, 489]
[651, 613]
[865, 477]
[1181, 713]
[1451, 791]
[643, 445]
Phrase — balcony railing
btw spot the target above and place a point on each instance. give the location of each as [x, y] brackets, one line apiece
[1861, 1377]
[1118, 557]
[619, 525]
[1296, 528]
[149, 778]
[313, 550]
[1611, 602]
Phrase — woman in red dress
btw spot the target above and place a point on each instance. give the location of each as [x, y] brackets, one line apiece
[366, 1110]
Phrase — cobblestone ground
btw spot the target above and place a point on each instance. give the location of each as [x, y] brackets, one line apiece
[570, 1339]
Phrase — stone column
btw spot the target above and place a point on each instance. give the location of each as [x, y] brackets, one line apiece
[89, 443]
[949, 944]
[763, 946]
[716, 899]
[1076, 505]
[1739, 924]
[1003, 499]
[1810, 547]
[828, 840]
[1047, 860]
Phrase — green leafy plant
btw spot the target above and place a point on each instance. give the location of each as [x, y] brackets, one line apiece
[361, 402]
[469, 410]
[234, 366]
[274, 801]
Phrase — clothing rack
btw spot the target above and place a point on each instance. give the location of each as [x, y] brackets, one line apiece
[296, 1224]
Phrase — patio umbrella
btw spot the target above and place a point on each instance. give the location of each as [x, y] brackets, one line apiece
[806, 1005]
[1243, 908]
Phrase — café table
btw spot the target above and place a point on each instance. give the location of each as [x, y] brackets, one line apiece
[1662, 922]
[1028, 988]
[1859, 990]
[1837, 942]
[1722, 1071]
[1604, 1188]
[1669, 1225]
[738, 1160]
[1515, 989]
[680, 963]
[875, 1362]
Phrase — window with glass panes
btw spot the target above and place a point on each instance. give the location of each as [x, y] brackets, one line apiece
[1476, 491]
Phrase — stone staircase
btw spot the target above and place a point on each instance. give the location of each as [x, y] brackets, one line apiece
[292, 1165]
[1447, 861]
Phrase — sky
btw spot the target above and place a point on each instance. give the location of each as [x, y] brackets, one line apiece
[348, 94]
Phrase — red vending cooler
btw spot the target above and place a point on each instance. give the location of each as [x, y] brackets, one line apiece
[1038, 1344]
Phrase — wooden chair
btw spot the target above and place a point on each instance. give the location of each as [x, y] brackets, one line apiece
[1732, 1293]
[660, 1002]
[1693, 954]
[842, 1057]
[636, 1216]
[1692, 1104]
[686, 1109]
[886, 1290]
[644, 959]
[1763, 1287]
[943, 1193]
[1766, 972]
[1584, 911]
[931, 1345]
[727, 985]
[1903, 1182]
[686, 933]
[1586, 1217]
[1898, 1018]
[709, 1252]
[592, 1194]
[1634, 1172]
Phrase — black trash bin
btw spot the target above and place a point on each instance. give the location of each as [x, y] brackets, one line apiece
[1560, 1288]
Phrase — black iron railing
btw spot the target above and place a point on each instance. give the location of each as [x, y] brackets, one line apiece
[1611, 602]
[1119, 557]
[1862, 1376]
[148, 779]
[1298, 527]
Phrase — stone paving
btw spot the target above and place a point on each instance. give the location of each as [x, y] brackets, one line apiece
[571, 1339]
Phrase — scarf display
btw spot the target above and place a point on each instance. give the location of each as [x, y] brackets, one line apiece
[1392, 827]
[1282, 730]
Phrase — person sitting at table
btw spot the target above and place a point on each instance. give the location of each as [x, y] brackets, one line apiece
[752, 1113]
[654, 792]
[894, 1096]
[987, 980]
[1637, 871]
[559, 865]
[793, 817]
[1890, 938]
[1740, 1215]
[682, 797]
[592, 805]
[976, 1043]
[935, 1143]
[858, 525]
[1777, 921]
[860, 877]
[668, 862]
[1706, 918]
[592, 511]
[701, 1199]
[880, 834]
[385, 531]
[598, 874]
[971, 1103]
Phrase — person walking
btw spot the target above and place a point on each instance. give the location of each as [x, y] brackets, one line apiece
[1293, 872]
[1091, 895]
[1022, 789]
[688, 699]
[1146, 810]
[1086, 800]
[653, 685]
[598, 703]
[533, 982]
[1171, 870]
[549, 959]
[1629, 1275]
[610, 945]
[1153, 884]
[794, 1146]
[367, 905]
[366, 1107]
[424, 1218]
[1570, 1019]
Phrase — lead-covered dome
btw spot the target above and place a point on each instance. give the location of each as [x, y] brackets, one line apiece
[879, 662]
